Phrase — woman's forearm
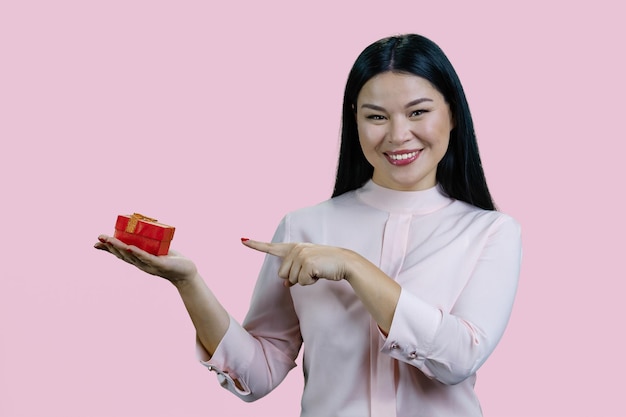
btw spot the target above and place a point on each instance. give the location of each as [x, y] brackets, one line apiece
[304, 263]
[378, 293]
[209, 318]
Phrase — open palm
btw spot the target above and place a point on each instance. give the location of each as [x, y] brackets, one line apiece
[174, 267]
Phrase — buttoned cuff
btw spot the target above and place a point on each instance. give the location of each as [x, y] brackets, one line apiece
[413, 329]
[231, 354]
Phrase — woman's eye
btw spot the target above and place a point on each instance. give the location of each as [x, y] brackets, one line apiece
[416, 113]
[375, 117]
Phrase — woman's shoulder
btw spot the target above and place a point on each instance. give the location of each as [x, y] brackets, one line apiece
[308, 223]
[334, 204]
[486, 218]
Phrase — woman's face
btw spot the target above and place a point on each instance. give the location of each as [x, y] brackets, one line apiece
[404, 127]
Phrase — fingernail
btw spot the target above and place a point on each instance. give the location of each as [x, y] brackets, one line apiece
[244, 239]
[101, 239]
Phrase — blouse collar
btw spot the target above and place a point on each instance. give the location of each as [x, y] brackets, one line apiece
[416, 202]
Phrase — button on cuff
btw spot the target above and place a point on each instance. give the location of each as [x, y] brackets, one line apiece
[227, 381]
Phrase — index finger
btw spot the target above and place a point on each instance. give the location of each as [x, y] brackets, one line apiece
[276, 249]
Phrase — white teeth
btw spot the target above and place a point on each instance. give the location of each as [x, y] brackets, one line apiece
[402, 156]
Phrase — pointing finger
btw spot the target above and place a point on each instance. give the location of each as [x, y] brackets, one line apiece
[276, 249]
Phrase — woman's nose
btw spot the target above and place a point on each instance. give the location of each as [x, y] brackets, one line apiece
[400, 131]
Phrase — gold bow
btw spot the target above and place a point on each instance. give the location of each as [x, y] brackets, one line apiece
[132, 221]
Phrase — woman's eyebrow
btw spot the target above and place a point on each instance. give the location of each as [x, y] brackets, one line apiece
[417, 101]
[372, 106]
[409, 104]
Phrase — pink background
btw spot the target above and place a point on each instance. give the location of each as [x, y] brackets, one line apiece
[219, 118]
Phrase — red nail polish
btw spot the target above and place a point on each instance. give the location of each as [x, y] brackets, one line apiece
[244, 239]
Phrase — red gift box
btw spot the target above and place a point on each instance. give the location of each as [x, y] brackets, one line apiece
[145, 233]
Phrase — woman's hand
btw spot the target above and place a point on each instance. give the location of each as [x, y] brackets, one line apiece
[173, 267]
[306, 263]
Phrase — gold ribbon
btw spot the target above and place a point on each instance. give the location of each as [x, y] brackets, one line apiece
[132, 221]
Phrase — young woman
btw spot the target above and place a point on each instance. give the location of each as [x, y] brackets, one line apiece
[400, 285]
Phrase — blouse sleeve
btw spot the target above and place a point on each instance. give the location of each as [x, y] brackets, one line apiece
[451, 346]
[253, 358]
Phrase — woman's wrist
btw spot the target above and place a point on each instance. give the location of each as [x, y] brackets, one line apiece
[352, 266]
[185, 282]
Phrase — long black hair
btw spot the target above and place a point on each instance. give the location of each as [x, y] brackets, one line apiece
[460, 172]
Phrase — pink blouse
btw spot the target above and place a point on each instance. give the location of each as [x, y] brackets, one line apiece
[458, 267]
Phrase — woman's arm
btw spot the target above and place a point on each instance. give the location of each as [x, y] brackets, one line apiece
[209, 318]
[448, 345]
[305, 263]
[249, 361]
[376, 290]
[451, 343]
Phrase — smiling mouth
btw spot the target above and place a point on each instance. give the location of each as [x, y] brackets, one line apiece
[402, 158]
